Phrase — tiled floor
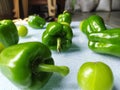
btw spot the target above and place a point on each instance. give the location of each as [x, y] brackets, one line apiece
[110, 18]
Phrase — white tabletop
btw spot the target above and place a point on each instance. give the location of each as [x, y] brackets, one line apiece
[78, 54]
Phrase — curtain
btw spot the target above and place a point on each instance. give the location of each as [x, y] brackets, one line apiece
[92, 5]
[115, 4]
[6, 7]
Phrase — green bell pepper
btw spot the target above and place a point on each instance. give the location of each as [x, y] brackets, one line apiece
[29, 65]
[105, 42]
[93, 23]
[57, 36]
[8, 34]
[36, 21]
[65, 17]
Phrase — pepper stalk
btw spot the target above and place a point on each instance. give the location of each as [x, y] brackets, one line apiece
[63, 70]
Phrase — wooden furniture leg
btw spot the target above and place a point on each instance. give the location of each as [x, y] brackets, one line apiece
[51, 7]
[16, 9]
[25, 8]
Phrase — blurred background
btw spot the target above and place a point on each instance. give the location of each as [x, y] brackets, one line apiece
[50, 9]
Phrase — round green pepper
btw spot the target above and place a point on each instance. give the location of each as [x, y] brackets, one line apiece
[93, 23]
[57, 36]
[65, 17]
[29, 65]
[8, 33]
[95, 76]
[36, 21]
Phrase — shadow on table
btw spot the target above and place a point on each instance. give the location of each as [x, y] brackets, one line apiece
[114, 88]
[73, 48]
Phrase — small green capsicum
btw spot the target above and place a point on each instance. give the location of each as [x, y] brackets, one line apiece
[36, 21]
[29, 65]
[95, 76]
[105, 42]
[8, 34]
[65, 17]
[57, 36]
[93, 23]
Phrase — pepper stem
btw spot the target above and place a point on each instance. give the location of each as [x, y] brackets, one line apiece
[63, 70]
[65, 11]
[59, 44]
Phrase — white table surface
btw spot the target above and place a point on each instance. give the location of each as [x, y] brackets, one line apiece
[78, 54]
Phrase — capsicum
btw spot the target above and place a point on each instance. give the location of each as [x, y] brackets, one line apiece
[93, 23]
[95, 76]
[105, 42]
[29, 65]
[57, 36]
[36, 21]
[65, 17]
[8, 34]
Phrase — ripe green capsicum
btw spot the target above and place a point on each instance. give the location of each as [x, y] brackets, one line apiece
[8, 34]
[57, 36]
[29, 65]
[65, 17]
[105, 42]
[95, 76]
[36, 21]
[93, 23]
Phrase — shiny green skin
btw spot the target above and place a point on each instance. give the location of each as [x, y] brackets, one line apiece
[95, 76]
[36, 21]
[65, 17]
[55, 30]
[105, 42]
[29, 65]
[19, 62]
[92, 24]
[8, 33]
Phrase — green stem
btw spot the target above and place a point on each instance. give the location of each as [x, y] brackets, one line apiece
[63, 70]
[59, 44]
[65, 11]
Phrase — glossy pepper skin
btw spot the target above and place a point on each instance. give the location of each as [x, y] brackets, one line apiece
[29, 65]
[93, 23]
[36, 21]
[8, 33]
[95, 76]
[65, 17]
[105, 42]
[57, 36]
